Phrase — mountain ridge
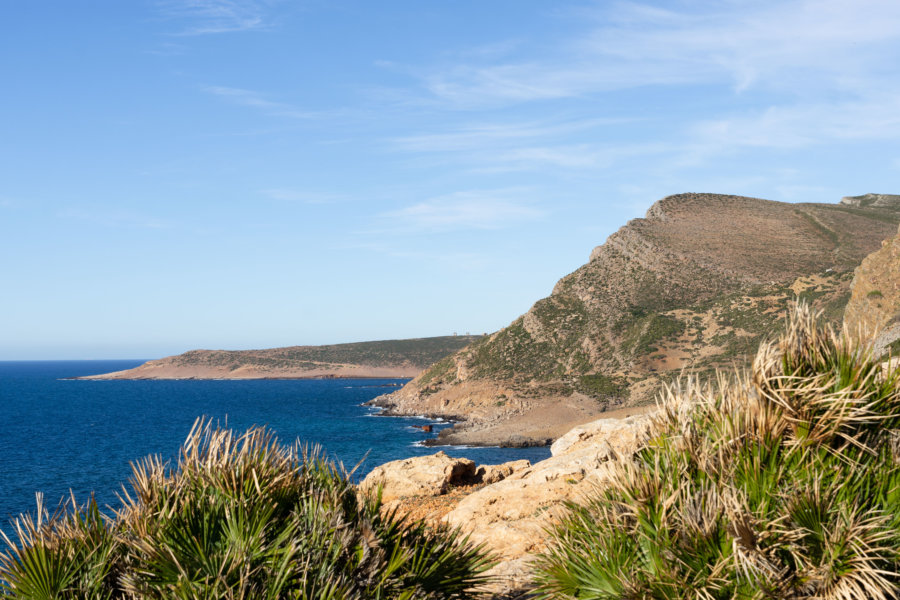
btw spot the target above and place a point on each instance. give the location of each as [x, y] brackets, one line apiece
[696, 284]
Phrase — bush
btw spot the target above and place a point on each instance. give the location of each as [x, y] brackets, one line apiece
[239, 517]
[782, 484]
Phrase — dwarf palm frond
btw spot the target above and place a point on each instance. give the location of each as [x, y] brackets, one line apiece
[780, 484]
[239, 516]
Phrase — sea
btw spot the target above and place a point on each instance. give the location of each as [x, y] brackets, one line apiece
[60, 436]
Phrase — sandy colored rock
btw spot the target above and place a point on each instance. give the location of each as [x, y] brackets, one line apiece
[493, 473]
[874, 306]
[420, 476]
[511, 516]
[606, 437]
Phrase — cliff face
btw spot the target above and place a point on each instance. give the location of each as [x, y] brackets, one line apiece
[696, 284]
[883, 201]
[874, 306]
[390, 358]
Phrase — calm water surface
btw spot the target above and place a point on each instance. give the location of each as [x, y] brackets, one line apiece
[57, 434]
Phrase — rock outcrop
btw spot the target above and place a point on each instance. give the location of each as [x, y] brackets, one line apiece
[888, 201]
[434, 475]
[419, 476]
[874, 306]
[509, 507]
[695, 285]
[511, 516]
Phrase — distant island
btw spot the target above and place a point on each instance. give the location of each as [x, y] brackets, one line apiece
[387, 358]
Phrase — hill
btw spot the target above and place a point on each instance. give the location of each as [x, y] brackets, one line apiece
[389, 358]
[695, 285]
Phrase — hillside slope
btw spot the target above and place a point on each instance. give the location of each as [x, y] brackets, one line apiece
[696, 284]
[390, 358]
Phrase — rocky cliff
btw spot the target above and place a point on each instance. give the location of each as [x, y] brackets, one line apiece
[389, 358]
[883, 201]
[874, 307]
[695, 285]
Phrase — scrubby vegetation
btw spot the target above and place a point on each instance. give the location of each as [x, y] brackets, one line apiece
[784, 483]
[239, 517]
[420, 352]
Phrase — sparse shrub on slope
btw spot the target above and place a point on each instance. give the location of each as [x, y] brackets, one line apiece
[240, 517]
[784, 484]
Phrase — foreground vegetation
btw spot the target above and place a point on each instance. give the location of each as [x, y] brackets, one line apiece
[239, 517]
[784, 483]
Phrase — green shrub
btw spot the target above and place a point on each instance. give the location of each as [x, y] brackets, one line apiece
[783, 484]
[875, 294]
[239, 517]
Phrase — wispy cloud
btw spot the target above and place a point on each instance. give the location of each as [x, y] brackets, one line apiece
[503, 147]
[477, 135]
[205, 17]
[482, 209]
[876, 117]
[258, 101]
[780, 44]
[734, 76]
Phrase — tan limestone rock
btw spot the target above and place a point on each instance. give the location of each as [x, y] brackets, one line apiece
[511, 516]
[494, 473]
[419, 476]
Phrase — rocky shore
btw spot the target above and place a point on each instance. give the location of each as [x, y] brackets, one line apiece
[508, 507]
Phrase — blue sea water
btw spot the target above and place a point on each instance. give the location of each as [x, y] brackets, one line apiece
[58, 434]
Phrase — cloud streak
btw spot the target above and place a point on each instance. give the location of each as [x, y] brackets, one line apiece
[779, 44]
[734, 77]
[471, 210]
[258, 101]
[215, 16]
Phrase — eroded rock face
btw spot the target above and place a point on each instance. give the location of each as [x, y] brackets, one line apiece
[493, 473]
[419, 476]
[874, 307]
[511, 516]
[434, 475]
[890, 201]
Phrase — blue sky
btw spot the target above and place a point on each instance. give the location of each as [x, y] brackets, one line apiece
[181, 174]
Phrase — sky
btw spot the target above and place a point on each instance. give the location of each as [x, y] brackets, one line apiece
[179, 174]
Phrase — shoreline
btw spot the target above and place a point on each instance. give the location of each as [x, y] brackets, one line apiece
[525, 431]
[109, 377]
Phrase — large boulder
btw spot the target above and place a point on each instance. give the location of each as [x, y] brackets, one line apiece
[420, 476]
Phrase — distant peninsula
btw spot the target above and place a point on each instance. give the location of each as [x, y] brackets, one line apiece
[387, 358]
